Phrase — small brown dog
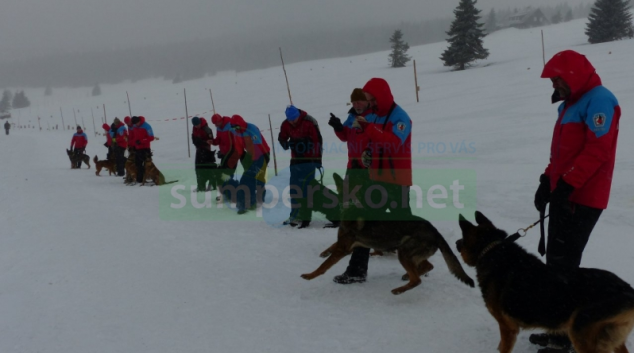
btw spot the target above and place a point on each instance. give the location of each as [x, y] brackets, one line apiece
[415, 240]
[108, 164]
[154, 174]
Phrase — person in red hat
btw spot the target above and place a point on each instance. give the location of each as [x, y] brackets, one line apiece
[143, 136]
[578, 177]
[121, 144]
[79, 143]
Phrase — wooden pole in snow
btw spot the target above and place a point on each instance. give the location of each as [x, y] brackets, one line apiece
[105, 119]
[273, 144]
[93, 121]
[75, 116]
[129, 106]
[543, 51]
[416, 82]
[213, 106]
[187, 124]
[62, 114]
[287, 86]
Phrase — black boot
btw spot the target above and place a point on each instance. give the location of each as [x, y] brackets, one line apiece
[553, 343]
[347, 278]
[304, 224]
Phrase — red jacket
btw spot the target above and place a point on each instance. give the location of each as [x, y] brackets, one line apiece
[201, 134]
[122, 136]
[251, 138]
[304, 136]
[389, 133]
[583, 147]
[356, 139]
[131, 137]
[79, 140]
[143, 135]
[223, 136]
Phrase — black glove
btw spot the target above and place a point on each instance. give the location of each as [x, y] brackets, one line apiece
[284, 144]
[560, 197]
[335, 123]
[220, 156]
[542, 195]
[105, 144]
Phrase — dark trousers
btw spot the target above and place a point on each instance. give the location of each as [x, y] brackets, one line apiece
[302, 175]
[252, 180]
[78, 153]
[568, 234]
[119, 153]
[7, 131]
[141, 155]
[206, 168]
[397, 195]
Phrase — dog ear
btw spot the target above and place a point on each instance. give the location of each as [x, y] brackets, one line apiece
[464, 224]
[360, 223]
[481, 219]
[338, 183]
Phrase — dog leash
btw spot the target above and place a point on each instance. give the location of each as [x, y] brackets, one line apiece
[522, 231]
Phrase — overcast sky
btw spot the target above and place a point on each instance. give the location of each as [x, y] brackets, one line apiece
[40, 27]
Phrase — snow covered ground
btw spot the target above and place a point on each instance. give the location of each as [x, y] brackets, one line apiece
[90, 265]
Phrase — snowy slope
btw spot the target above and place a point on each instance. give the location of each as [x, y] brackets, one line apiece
[90, 265]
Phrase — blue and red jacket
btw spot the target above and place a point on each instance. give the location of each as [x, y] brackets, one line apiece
[143, 134]
[79, 140]
[355, 138]
[389, 135]
[201, 134]
[304, 136]
[252, 139]
[583, 147]
[122, 136]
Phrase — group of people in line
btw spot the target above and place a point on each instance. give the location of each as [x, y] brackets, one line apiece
[576, 182]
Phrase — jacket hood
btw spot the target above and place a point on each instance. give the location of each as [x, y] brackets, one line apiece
[141, 119]
[575, 70]
[216, 119]
[379, 88]
[203, 123]
[238, 121]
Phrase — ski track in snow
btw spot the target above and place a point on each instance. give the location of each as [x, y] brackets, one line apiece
[87, 264]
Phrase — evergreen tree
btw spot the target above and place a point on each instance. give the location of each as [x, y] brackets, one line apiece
[20, 100]
[609, 20]
[465, 37]
[5, 103]
[398, 57]
[556, 18]
[569, 16]
[492, 22]
[96, 91]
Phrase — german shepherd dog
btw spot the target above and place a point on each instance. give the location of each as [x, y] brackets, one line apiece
[415, 240]
[595, 308]
[74, 159]
[108, 164]
[154, 174]
[130, 167]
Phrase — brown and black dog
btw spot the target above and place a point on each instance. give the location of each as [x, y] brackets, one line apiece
[415, 240]
[108, 164]
[595, 308]
[74, 159]
[154, 174]
[130, 167]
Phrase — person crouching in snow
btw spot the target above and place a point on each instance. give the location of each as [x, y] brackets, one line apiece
[205, 160]
[255, 161]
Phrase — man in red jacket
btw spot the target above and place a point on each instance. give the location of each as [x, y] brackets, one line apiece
[388, 157]
[143, 136]
[300, 134]
[121, 139]
[79, 143]
[578, 177]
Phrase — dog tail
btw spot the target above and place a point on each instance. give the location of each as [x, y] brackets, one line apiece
[452, 261]
[95, 159]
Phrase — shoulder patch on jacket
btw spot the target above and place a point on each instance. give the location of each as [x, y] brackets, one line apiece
[599, 120]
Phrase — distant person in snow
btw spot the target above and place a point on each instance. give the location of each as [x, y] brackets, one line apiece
[7, 127]
[78, 144]
[120, 145]
[205, 160]
[108, 143]
[578, 177]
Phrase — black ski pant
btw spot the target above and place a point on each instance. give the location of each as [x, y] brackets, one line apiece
[7, 131]
[397, 195]
[119, 153]
[141, 155]
[205, 166]
[568, 234]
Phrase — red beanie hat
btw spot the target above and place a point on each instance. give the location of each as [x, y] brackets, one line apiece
[127, 120]
[216, 119]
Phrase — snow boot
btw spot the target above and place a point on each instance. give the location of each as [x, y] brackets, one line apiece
[304, 224]
[347, 278]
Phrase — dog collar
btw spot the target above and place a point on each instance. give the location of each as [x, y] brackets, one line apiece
[488, 248]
